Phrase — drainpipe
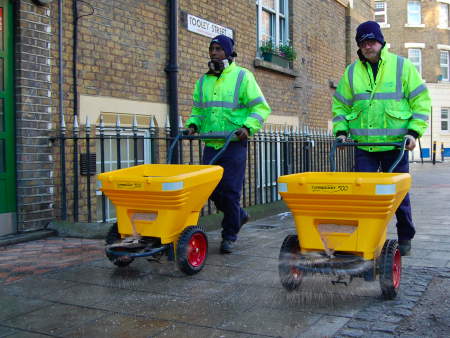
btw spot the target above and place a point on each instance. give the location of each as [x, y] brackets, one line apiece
[172, 72]
[75, 56]
[61, 110]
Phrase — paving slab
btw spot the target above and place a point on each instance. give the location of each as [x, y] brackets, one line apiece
[67, 288]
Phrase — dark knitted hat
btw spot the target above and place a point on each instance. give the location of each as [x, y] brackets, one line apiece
[226, 43]
[369, 30]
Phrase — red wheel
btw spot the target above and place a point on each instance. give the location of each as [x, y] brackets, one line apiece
[192, 250]
[197, 249]
[390, 268]
[290, 276]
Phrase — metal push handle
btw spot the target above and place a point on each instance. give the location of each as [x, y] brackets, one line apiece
[338, 143]
[227, 136]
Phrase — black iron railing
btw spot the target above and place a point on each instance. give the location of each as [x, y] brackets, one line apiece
[271, 153]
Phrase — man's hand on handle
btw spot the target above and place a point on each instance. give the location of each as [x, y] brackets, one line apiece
[242, 133]
[341, 138]
[410, 143]
[191, 130]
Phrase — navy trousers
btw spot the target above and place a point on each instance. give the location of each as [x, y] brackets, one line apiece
[227, 195]
[372, 162]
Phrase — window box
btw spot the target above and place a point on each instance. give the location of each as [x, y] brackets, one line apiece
[276, 59]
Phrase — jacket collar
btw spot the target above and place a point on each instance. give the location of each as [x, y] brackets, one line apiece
[226, 70]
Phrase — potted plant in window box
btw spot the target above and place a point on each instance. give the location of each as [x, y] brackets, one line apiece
[280, 55]
[287, 51]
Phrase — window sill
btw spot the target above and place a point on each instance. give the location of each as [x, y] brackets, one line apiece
[410, 25]
[443, 27]
[259, 63]
[385, 25]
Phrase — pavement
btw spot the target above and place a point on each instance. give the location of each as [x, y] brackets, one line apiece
[65, 287]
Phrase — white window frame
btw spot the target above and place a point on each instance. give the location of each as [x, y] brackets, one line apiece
[276, 38]
[125, 161]
[381, 13]
[447, 119]
[413, 11]
[445, 65]
[443, 15]
[418, 65]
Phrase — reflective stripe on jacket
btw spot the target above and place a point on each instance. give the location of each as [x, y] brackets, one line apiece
[228, 102]
[384, 109]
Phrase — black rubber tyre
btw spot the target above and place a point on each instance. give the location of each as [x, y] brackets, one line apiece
[290, 276]
[192, 250]
[390, 269]
[111, 237]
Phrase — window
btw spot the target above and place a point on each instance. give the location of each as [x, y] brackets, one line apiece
[126, 160]
[272, 19]
[380, 12]
[444, 58]
[444, 119]
[443, 15]
[414, 17]
[415, 55]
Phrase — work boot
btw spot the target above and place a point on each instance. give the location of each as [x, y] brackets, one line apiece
[405, 247]
[244, 220]
[226, 246]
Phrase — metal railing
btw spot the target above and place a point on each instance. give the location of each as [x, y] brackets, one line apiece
[86, 152]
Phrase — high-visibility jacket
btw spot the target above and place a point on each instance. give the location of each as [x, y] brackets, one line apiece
[384, 109]
[228, 102]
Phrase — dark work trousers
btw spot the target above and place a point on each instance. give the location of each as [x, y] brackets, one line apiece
[372, 161]
[227, 195]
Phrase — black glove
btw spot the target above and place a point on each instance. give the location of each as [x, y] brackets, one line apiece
[242, 133]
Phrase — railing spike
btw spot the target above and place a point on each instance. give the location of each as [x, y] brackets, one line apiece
[75, 123]
[134, 124]
[152, 121]
[88, 125]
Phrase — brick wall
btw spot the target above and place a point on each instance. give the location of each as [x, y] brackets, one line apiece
[397, 35]
[122, 53]
[35, 185]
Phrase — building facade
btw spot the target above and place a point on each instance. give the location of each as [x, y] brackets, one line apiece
[420, 31]
[70, 64]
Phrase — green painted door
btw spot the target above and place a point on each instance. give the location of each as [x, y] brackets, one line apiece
[7, 149]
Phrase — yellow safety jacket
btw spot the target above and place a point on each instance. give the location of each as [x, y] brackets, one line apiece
[228, 102]
[384, 109]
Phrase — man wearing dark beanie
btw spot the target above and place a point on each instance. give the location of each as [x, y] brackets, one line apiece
[227, 98]
[382, 98]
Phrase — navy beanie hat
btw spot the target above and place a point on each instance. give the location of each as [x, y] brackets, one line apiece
[226, 43]
[369, 30]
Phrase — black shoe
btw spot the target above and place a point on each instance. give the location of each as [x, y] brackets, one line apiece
[405, 247]
[226, 246]
[244, 220]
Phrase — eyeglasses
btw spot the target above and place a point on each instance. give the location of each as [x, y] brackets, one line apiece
[367, 43]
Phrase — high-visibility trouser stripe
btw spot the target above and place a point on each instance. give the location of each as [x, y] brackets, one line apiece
[420, 116]
[417, 91]
[338, 118]
[339, 97]
[378, 132]
[258, 117]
